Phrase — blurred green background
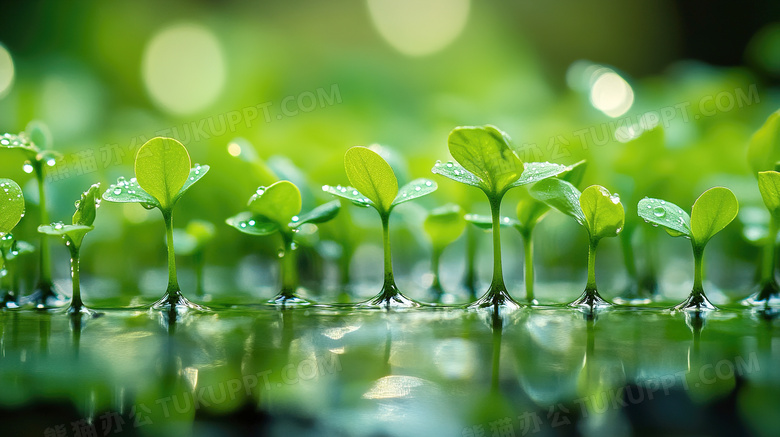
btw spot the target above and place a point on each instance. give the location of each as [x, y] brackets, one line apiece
[660, 97]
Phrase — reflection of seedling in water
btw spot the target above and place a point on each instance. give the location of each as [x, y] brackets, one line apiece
[192, 240]
[275, 209]
[374, 184]
[711, 212]
[599, 211]
[485, 160]
[163, 175]
[73, 235]
[33, 144]
[443, 225]
[11, 212]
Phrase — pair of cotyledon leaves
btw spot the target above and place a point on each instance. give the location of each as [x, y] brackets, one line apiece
[83, 219]
[163, 174]
[34, 142]
[276, 208]
[373, 182]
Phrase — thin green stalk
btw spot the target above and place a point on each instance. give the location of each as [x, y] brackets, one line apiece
[590, 287]
[629, 260]
[45, 256]
[528, 248]
[76, 303]
[768, 262]
[435, 260]
[470, 280]
[173, 281]
[388, 262]
[498, 273]
[698, 288]
[289, 268]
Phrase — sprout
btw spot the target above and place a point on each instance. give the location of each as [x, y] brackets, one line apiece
[275, 209]
[11, 212]
[443, 225]
[711, 212]
[374, 184]
[73, 235]
[485, 160]
[163, 175]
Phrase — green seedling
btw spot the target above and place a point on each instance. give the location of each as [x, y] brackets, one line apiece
[73, 235]
[769, 186]
[275, 209]
[443, 225]
[11, 212]
[10, 250]
[374, 184]
[711, 212]
[193, 240]
[599, 211]
[162, 176]
[33, 143]
[486, 161]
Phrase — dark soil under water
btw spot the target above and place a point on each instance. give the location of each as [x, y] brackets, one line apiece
[256, 370]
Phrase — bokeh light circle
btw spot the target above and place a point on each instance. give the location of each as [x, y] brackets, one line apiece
[183, 68]
[7, 71]
[419, 27]
[611, 94]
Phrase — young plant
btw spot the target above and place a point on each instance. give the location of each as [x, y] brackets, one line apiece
[599, 211]
[374, 184]
[11, 212]
[10, 250]
[711, 212]
[486, 161]
[73, 235]
[443, 225]
[192, 240]
[275, 209]
[769, 186]
[33, 143]
[162, 176]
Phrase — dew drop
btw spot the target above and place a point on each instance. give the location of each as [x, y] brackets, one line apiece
[659, 212]
[294, 245]
[354, 192]
[326, 188]
[28, 168]
[428, 183]
[117, 191]
[417, 188]
[50, 162]
[280, 253]
[615, 198]
[449, 164]
[295, 219]
[251, 222]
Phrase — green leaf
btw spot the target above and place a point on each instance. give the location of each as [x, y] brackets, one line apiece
[22, 142]
[279, 202]
[764, 146]
[39, 134]
[201, 231]
[444, 225]
[162, 167]
[560, 195]
[248, 224]
[660, 212]
[11, 205]
[320, 214]
[86, 208]
[413, 190]
[603, 212]
[486, 222]
[350, 194]
[530, 211]
[456, 172]
[537, 171]
[196, 173]
[372, 176]
[712, 212]
[769, 185]
[484, 151]
[575, 172]
[124, 191]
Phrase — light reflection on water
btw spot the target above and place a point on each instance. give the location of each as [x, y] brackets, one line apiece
[342, 369]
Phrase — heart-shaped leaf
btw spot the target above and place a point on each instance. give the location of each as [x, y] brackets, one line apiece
[484, 151]
[764, 145]
[769, 185]
[444, 225]
[86, 208]
[196, 173]
[320, 214]
[712, 212]
[128, 191]
[279, 202]
[456, 172]
[604, 214]
[372, 176]
[560, 195]
[414, 190]
[162, 167]
[350, 194]
[660, 212]
[252, 225]
[11, 205]
[486, 222]
[537, 171]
